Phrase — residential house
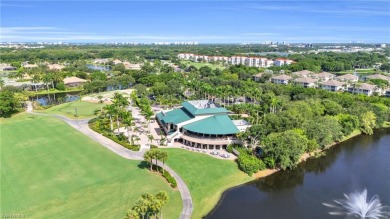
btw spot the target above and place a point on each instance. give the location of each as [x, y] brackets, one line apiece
[323, 76]
[73, 81]
[30, 66]
[306, 82]
[304, 73]
[378, 76]
[55, 67]
[131, 66]
[363, 88]
[348, 78]
[257, 77]
[4, 67]
[281, 79]
[332, 85]
[116, 61]
[100, 61]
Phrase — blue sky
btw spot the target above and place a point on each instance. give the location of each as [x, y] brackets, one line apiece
[202, 21]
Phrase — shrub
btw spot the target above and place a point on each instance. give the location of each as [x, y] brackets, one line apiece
[153, 146]
[169, 178]
[249, 163]
[60, 86]
[229, 148]
[270, 162]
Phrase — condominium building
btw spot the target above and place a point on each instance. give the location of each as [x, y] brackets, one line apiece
[332, 85]
[306, 82]
[363, 88]
[282, 61]
[281, 79]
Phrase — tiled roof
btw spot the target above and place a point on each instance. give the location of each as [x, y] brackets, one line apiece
[348, 77]
[302, 73]
[324, 75]
[73, 80]
[306, 80]
[333, 83]
[282, 77]
[365, 86]
[377, 76]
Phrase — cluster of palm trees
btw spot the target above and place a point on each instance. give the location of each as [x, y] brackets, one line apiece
[118, 112]
[40, 74]
[156, 155]
[149, 205]
[226, 94]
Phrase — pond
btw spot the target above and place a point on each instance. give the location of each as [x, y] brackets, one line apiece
[52, 99]
[362, 162]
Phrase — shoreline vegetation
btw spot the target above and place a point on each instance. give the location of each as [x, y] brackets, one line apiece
[306, 156]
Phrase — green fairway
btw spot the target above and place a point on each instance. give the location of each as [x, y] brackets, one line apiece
[50, 170]
[360, 71]
[201, 64]
[84, 109]
[205, 176]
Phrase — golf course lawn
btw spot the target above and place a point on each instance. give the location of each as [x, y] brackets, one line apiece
[84, 109]
[205, 176]
[50, 170]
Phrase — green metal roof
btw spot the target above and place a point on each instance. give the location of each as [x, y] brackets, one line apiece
[215, 125]
[195, 111]
[175, 116]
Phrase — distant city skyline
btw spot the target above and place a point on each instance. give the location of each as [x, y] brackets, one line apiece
[307, 21]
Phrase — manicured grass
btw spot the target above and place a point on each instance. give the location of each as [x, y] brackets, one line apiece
[55, 91]
[360, 71]
[205, 176]
[50, 170]
[201, 64]
[84, 109]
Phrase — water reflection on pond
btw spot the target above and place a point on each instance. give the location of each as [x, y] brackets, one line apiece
[359, 163]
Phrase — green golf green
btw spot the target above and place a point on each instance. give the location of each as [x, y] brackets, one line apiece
[84, 109]
[205, 176]
[50, 170]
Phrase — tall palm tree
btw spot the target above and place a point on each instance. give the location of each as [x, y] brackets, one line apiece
[163, 155]
[148, 157]
[46, 79]
[164, 198]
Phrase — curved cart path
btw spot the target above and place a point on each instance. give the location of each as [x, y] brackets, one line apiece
[83, 127]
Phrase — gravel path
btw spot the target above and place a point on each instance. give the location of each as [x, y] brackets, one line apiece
[82, 126]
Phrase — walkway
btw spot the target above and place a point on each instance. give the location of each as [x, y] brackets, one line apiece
[83, 127]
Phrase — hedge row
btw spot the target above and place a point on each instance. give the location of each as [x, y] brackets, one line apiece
[120, 139]
[168, 177]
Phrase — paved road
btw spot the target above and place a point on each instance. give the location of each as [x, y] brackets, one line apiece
[82, 126]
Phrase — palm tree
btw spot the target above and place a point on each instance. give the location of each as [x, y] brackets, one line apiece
[142, 206]
[150, 138]
[132, 214]
[164, 198]
[148, 157]
[163, 156]
[47, 79]
[128, 121]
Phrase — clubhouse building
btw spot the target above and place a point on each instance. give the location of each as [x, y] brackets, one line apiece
[201, 124]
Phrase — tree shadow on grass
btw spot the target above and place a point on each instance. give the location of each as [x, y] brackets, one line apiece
[143, 165]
